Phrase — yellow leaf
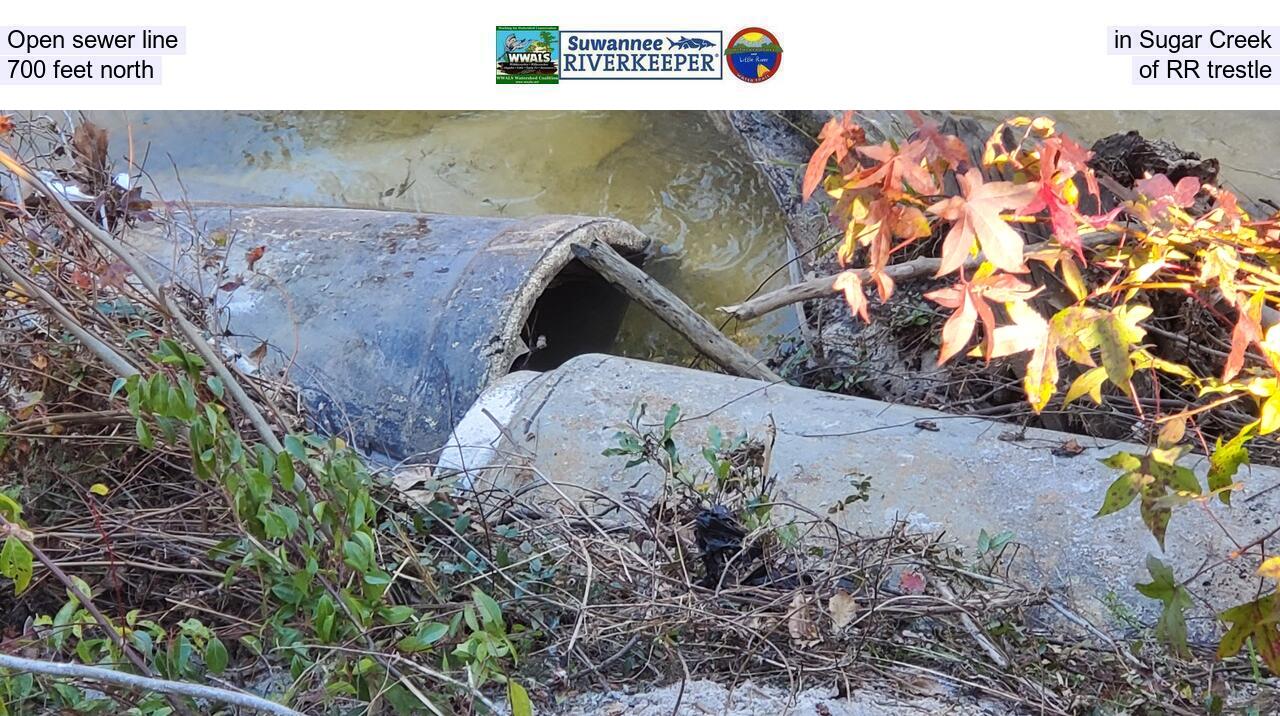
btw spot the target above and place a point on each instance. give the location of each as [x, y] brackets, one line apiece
[1073, 279]
[1071, 192]
[1269, 419]
[1112, 340]
[1270, 568]
[1042, 376]
[99, 489]
[1087, 383]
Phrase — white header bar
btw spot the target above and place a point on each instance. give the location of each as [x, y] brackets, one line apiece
[236, 54]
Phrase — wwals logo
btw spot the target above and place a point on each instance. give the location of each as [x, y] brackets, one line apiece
[528, 54]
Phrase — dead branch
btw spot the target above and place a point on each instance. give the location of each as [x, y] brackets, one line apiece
[824, 286]
[641, 287]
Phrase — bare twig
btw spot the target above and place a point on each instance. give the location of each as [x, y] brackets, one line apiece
[145, 683]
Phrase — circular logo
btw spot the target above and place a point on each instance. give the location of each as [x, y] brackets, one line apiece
[753, 55]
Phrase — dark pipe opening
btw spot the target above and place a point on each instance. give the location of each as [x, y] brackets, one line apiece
[578, 313]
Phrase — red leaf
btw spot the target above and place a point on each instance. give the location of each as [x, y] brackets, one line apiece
[1161, 189]
[1072, 159]
[1246, 332]
[252, 256]
[114, 274]
[912, 582]
[1062, 214]
[947, 147]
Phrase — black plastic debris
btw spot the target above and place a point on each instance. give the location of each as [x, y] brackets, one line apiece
[720, 539]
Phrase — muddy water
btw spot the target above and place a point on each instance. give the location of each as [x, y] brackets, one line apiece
[673, 175]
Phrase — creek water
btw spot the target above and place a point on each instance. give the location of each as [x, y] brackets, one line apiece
[675, 176]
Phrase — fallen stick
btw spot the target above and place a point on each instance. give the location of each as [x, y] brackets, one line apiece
[824, 286]
[993, 652]
[671, 310]
[145, 683]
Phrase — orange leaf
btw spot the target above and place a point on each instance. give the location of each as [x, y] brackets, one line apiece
[1247, 331]
[851, 284]
[976, 216]
[958, 328]
[836, 137]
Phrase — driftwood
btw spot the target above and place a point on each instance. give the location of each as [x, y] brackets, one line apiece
[824, 286]
[672, 311]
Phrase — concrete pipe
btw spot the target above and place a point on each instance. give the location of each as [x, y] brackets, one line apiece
[391, 323]
[952, 473]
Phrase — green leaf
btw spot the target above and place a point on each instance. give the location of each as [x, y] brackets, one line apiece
[9, 508]
[215, 386]
[425, 637]
[397, 614]
[144, 434]
[1172, 626]
[215, 655]
[1122, 461]
[15, 563]
[288, 516]
[357, 555]
[518, 698]
[284, 466]
[259, 485]
[1155, 516]
[1225, 460]
[295, 447]
[490, 612]
[1121, 492]
[673, 415]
